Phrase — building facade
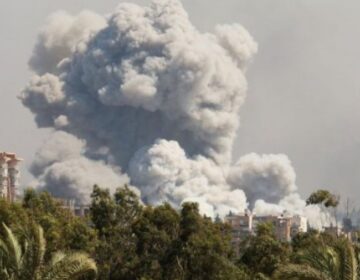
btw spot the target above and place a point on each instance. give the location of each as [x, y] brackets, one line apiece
[79, 210]
[241, 227]
[245, 224]
[282, 225]
[298, 224]
[9, 175]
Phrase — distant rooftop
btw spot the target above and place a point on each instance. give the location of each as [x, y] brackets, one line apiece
[10, 156]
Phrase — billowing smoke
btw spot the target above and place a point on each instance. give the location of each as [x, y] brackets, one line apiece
[61, 34]
[62, 169]
[142, 96]
[269, 177]
[293, 204]
[163, 172]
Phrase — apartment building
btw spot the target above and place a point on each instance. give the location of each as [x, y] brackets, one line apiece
[241, 225]
[9, 175]
[244, 225]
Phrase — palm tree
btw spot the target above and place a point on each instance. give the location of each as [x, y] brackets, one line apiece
[25, 260]
[337, 261]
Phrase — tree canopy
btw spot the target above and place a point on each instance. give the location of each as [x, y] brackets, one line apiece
[129, 240]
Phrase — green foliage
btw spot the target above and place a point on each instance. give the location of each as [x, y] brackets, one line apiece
[202, 250]
[63, 230]
[13, 215]
[263, 253]
[113, 218]
[330, 260]
[156, 231]
[305, 239]
[323, 197]
[128, 240]
[325, 200]
[138, 242]
[25, 260]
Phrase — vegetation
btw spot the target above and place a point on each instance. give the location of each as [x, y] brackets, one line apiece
[25, 260]
[325, 200]
[123, 239]
[334, 260]
[263, 253]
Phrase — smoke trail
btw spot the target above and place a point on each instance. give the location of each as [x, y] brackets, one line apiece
[152, 97]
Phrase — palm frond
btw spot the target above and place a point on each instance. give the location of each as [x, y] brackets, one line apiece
[13, 248]
[71, 266]
[348, 265]
[299, 272]
[57, 257]
[33, 257]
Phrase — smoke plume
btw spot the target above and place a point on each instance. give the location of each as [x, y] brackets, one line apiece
[269, 177]
[142, 96]
[61, 168]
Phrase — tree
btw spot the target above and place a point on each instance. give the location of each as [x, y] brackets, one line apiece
[62, 230]
[331, 261]
[202, 250]
[155, 230]
[127, 239]
[325, 199]
[25, 260]
[263, 253]
[305, 239]
[14, 215]
[113, 218]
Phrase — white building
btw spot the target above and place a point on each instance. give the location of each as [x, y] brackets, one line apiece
[9, 175]
[298, 224]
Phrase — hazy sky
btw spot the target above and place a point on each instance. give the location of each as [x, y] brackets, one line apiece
[304, 89]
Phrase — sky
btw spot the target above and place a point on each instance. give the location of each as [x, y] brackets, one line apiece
[303, 92]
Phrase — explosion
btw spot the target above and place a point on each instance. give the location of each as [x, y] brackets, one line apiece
[142, 97]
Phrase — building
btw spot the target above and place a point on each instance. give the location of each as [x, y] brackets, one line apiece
[282, 225]
[335, 231]
[298, 224]
[241, 225]
[74, 208]
[283, 228]
[269, 219]
[9, 175]
[245, 224]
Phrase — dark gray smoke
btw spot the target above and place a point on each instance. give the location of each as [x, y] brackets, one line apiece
[152, 97]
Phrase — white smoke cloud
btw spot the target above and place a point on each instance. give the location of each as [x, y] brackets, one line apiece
[62, 169]
[74, 178]
[60, 36]
[60, 146]
[144, 92]
[237, 41]
[151, 74]
[293, 204]
[163, 172]
[269, 177]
